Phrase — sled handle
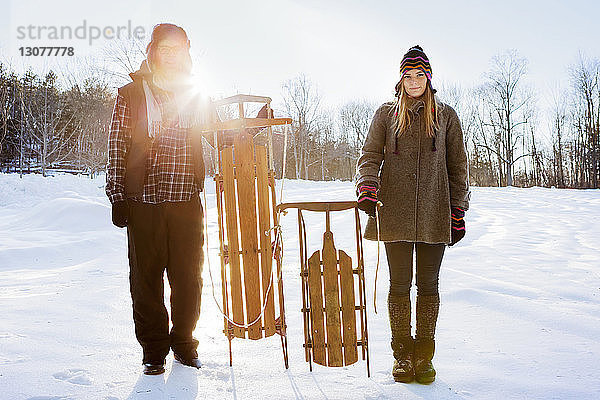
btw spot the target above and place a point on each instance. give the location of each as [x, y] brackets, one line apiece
[319, 206]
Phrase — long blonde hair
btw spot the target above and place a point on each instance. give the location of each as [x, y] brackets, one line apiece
[401, 116]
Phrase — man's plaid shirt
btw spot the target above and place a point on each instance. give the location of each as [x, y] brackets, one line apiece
[169, 168]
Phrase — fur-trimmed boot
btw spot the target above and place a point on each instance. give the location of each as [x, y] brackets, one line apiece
[428, 307]
[402, 340]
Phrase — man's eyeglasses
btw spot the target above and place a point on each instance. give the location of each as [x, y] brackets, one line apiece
[170, 50]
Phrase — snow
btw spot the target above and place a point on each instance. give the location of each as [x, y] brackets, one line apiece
[520, 314]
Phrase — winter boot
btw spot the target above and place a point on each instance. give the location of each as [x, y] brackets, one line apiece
[402, 341]
[154, 368]
[191, 361]
[427, 313]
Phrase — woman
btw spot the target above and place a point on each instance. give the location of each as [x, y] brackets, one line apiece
[414, 162]
[154, 175]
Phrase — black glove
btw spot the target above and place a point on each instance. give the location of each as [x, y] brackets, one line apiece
[458, 225]
[367, 198]
[120, 213]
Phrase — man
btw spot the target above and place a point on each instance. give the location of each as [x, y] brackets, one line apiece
[154, 175]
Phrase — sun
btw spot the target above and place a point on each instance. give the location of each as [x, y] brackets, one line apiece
[200, 81]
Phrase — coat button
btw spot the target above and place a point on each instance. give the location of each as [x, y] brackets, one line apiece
[414, 176]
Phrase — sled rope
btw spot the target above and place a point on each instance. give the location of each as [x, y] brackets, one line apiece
[377, 267]
[212, 283]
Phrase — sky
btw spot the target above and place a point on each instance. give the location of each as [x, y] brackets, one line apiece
[348, 49]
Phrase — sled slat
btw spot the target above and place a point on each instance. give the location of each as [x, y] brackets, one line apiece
[266, 253]
[244, 159]
[316, 308]
[237, 305]
[332, 302]
[348, 309]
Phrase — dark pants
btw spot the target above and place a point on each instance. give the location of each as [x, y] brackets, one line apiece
[400, 262]
[165, 236]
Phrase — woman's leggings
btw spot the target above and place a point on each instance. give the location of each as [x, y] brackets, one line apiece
[400, 262]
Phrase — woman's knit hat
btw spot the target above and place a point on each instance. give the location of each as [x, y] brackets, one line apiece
[415, 58]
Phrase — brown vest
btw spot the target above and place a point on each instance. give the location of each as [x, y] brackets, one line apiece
[135, 159]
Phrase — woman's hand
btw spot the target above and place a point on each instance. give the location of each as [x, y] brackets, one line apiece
[367, 198]
[458, 225]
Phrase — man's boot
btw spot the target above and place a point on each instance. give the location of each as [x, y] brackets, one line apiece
[402, 341]
[427, 313]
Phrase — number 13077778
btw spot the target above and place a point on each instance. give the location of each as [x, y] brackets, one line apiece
[46, 51]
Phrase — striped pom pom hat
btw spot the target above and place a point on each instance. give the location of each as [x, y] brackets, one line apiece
[415, 58]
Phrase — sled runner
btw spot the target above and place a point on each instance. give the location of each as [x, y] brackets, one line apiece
[334, 325]
[249, 236]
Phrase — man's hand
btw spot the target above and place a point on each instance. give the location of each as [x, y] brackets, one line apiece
[120, 213]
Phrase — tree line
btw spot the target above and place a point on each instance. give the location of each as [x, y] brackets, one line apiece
[45, 125]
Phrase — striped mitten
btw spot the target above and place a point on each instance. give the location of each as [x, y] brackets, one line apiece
[458, 225]
[367, 198]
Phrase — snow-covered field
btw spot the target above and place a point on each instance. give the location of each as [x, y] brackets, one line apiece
[520, 315]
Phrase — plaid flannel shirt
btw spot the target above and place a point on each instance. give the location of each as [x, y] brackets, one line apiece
[169, 168]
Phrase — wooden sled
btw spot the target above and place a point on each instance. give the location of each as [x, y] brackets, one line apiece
[329, 293]
[248, 227]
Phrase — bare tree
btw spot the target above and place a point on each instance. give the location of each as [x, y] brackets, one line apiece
[6, 104]
[49, 124]
[302, 102]
[558, 123]
[123, 57]
[506, 98]
[91, 106]
[354, 121]
[324, 144]
[585, 78]
[465, 103]
[451, 94]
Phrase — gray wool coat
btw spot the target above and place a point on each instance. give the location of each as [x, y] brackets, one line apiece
[417, 186]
